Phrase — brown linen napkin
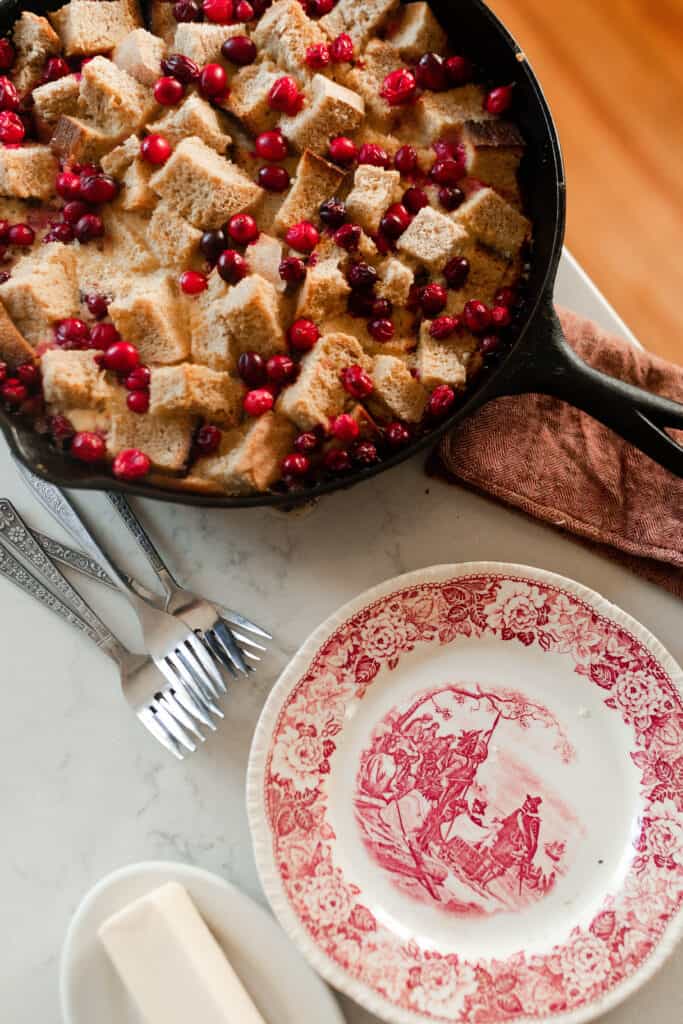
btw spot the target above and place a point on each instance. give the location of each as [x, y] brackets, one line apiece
[559, 465]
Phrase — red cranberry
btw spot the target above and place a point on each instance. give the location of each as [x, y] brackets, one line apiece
[9, 97]
[342, 48]
[121, 357]
[54, 69]
[292, 269]
[61, 428]
[405, 159]
[168, 91]
[348, 237]
[303, 335]
[284, 95]
[243, 228]
[499, 100]
[318, 56]
[506, 297]
[192, 282]
[4, 230]
[342, 150]
[13, 392]
[155, 149]
[97, 305]
[337, 460]
[451, 197]
[295, 464]
[333, 212]
[381, 309]
[433, 299]
[7, 55]
[88, 227]
[319, 8]
[138, 401]
[456, 272]
[397, 435]
[187, 10]
[381, 330]
[251, 369]
[28, 374]
[3, 372]
[244, 11]
[72, 333]
[459, 70]
[489, 344]
[271, 145]
[59, 233]
[371, 153]
[12, 128]
[231, 266]
[208, 439]
[100, 188]
[131, 464]
[4, 276]
[365, 453]
[447, 172]
[280, 369]
[441, 401]
[21, 234]
[303, 236]
[444, 326]
[501, 316]
[273, 179]
[399, 87]
[138, 379]
[257, 402]
[239, 50]
[73, 211]
[357, 382]
[395, 221]
[361, 275]
[431, 73]
[68, 185]
[477, 317]
[414, 199]
[102, 336]
[212, 244]
[306, 442]
[213, 81]
[177, 65]
[218, 11]
[88, 447]
[344, 427]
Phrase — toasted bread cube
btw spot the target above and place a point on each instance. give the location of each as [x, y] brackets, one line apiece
[332, 110]
[359, 20]
[487, 274]
[113, 99]
[42, 289]
[492, 220]
[28, 172]
[204, 187]
[248, 98]
[418, 32]
[34, 40]
[165, 439]
[190, 388]
[397, 393]
[285, 32]
[85, 29]
[441, 113]
[254, 311]
[395, 281]
[79, 141]
[252, 459]
[210, 326]
[172, 239]
[323, 293]
[494, 150]
[126, 243]
[162, 22]
[264, 257]
[432, 239]
[379, 59]
[118, 160]
[318, 394]
[137, 195]
[202, 42]
[151, 316]
[195, 117]
[316, 180]
[374, 189]
[140, 54]
[448, 361]
[53, 99]
[14, 348]
[72, 379]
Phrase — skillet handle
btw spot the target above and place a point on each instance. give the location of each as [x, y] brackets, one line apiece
[546, 364]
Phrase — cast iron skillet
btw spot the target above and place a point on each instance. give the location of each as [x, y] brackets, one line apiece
[539, 361]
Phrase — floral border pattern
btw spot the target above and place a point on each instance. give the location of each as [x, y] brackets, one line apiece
[629, 925]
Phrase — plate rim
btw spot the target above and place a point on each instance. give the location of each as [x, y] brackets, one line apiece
[332, 972]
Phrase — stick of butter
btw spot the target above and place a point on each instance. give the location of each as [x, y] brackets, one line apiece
[171, 964]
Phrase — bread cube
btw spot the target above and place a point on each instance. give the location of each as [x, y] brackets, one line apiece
[253, 309]
[42, 289]
[140, 54]
[248, 98]
[204, 187]
[374, 189]
[210, 326]
[264, 257]
[379, 59]
[441, 113]
[28, 172]
[73, 380]
[395, 281]
[34, 41]
[167, 440]
[126, 245]
[14, 348]
[439, 362]
[189, 388]
[119, 159]
[318, 394]
[323, 293]
[202, 42]
[494, 150]
[418, 32]
[173, 240]
[251, 459]
[195, 117]
[492, 220]
[332, 110]
[487, 273]
[78, 141]
[162, 22]
[113, 99]
[136, 194]
[285, 32]
[86, 29]
[151, 317]
[397, 393]
[359, 20]
[316, 180]
[53, 99]
[432, 239]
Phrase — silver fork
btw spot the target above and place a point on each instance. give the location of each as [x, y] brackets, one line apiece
[196, 611]
[165, 710]
[176, 650]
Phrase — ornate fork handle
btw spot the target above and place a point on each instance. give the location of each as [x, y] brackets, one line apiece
[76, 560]
[144, 542]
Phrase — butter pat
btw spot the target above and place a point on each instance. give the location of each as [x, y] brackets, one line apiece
[172, 966]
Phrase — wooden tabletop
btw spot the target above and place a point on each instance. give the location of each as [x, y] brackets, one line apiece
[613, 75]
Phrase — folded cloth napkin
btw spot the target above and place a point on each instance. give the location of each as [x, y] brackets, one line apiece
[559, 465]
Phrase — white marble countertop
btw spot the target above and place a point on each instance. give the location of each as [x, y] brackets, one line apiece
[84, 788]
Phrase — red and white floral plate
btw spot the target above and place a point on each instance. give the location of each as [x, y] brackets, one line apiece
[466, 799]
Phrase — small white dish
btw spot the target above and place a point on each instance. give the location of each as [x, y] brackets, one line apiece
[282, 985]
